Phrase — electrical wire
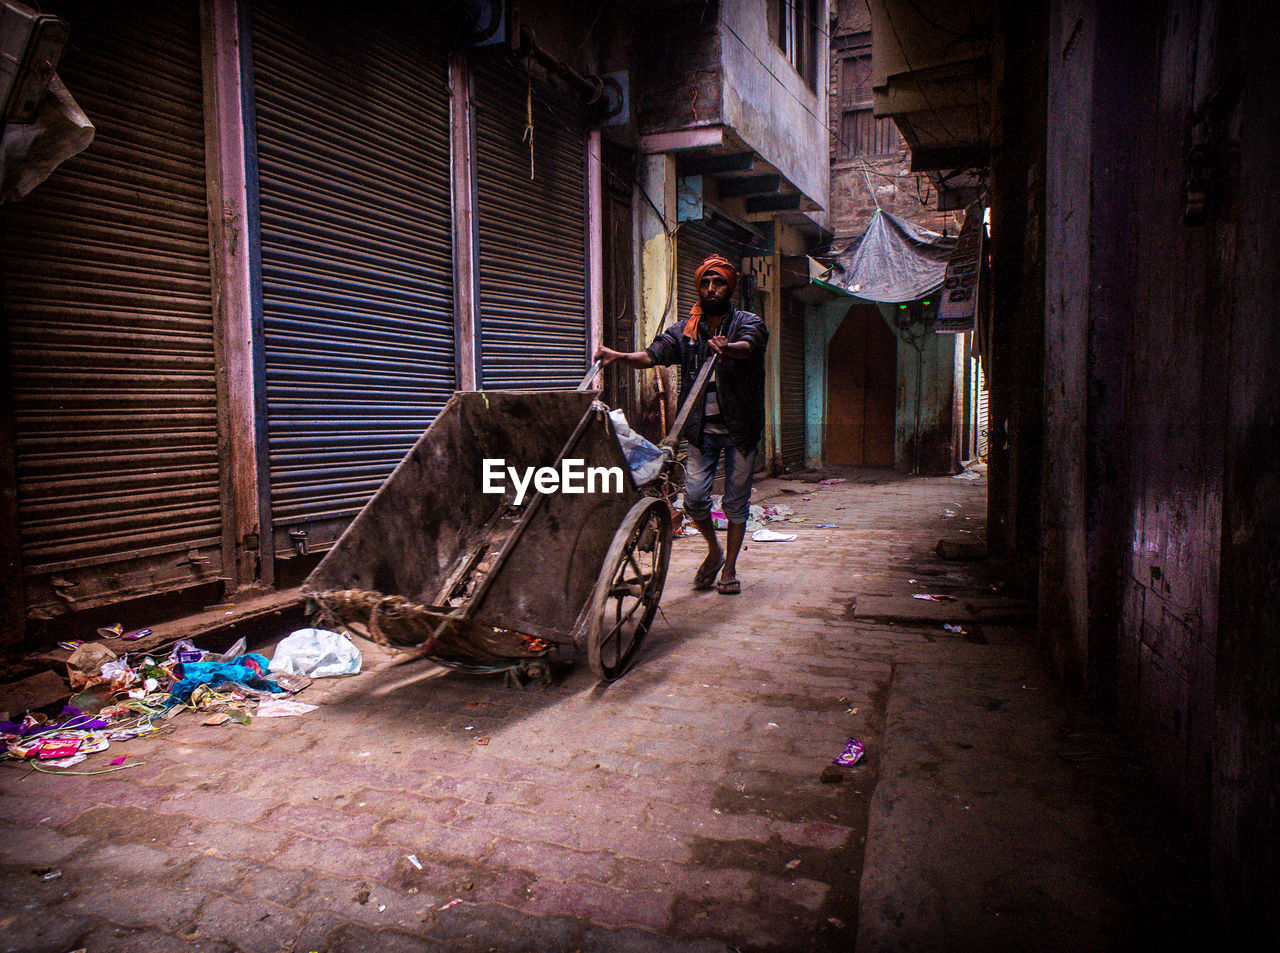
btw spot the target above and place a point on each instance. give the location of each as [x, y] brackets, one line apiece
[902, 48]
[825, 126]
[668, 232]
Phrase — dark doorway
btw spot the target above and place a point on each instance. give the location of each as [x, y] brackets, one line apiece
[862, 372]
[619, 312]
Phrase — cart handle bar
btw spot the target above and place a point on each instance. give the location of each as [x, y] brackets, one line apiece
[672, 440]
[589, 380]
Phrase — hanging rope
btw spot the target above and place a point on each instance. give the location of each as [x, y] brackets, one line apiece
[528, 117]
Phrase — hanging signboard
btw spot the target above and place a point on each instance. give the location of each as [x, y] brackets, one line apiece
[958, 307]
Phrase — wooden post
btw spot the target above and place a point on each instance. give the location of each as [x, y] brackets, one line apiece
[246, 545]
[466, 239]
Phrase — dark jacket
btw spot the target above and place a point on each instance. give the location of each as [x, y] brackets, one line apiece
[740, 383]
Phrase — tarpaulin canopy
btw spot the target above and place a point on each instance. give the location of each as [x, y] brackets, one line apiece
[893, 261]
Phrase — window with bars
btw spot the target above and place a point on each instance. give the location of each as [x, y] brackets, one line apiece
[861, 133]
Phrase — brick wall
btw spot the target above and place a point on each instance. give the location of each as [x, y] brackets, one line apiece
[892, 186]
[678, 68]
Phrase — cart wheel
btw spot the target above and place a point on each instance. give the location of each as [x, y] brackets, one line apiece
[631, 580]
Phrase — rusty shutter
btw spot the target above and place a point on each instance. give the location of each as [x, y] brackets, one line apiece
[695, 241]
[109, 324]
[791, 389]
[352, 123]
[532, 227]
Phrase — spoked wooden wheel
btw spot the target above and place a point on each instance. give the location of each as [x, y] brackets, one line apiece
[631, 580]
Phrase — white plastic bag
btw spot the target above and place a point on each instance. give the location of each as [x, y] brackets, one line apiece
[644, 459]
[317, 653]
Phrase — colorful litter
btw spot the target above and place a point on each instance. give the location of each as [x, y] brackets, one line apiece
[122, 697]
[852, 754]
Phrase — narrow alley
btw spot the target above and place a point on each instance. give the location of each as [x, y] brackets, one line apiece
[458, 325]
[681, 808]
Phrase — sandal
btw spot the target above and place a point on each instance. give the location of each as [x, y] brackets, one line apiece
[707, 580]
[730, 588]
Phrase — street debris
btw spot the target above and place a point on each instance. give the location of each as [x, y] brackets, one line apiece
[949, 627]
[769, 536]
[282, 708]
[452, 903]
[792, 864]
[121, 697]
[317, 653]
[852, 754]
[933, 597]
[830, 481]
[413, 859]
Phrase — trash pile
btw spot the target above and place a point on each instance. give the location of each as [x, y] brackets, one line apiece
[121, 697]
[757, 516]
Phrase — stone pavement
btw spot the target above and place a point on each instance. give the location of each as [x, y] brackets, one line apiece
[678, 809]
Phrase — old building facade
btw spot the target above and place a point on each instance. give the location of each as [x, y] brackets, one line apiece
[297, 231]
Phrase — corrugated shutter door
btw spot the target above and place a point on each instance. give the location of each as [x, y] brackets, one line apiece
[533, 327]
[791, 369]
[695, 241]
[109, 322]
[353, 174]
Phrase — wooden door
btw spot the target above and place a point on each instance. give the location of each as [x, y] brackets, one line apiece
[862, 373]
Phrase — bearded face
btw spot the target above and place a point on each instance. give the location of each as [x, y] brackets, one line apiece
[713, 294]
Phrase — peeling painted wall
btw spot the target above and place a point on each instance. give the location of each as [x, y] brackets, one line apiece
[937, 383]
[1161, 404]
[926, 384]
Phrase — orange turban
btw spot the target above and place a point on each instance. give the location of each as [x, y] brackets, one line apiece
[716, 264]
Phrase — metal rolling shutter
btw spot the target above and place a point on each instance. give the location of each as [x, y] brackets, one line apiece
[109, 323]
[352, 114]
[533, 327]
[695, 242]
[791, 369]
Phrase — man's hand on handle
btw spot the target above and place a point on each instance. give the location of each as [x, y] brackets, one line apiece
[608, 356]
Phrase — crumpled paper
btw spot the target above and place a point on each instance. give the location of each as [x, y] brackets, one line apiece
[84, 668]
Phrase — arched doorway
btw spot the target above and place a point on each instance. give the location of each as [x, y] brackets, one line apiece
[862, 373]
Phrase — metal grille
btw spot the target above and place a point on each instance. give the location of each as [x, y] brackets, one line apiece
[695, 241]
[533, 327]
[982, 444]
[107, 304]
[353, 175]
[791, 368]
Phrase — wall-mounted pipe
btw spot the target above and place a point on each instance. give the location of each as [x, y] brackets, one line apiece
[590, 88]
[606, 94]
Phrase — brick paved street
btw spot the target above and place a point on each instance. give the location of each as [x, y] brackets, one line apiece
[677, 809]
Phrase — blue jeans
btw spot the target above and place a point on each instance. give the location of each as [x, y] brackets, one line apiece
[700, 471]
